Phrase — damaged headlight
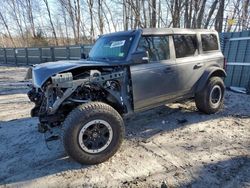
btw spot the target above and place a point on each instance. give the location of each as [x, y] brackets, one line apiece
[63, 80]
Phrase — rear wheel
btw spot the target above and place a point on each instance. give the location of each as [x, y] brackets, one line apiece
[93, 133]
[211, 98]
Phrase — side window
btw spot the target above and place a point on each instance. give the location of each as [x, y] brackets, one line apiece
[157, 47]
[209, 42]
[185, 45]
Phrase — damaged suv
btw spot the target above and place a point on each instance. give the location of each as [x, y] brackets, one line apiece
[125, 72]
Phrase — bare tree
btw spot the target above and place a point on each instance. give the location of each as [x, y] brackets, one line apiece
[153, 24]
[51, 22]
[111, 15]
[211, 12]
[7, 28]
[186, 17]
[201, 14]
[100, 16]
[90, 5]
[245, 13]
[195, 14]
[15, 12]
[66, 25]
[77, 18]
[125, 14]
[176, 14]
[144, 13]
[159, 13]
[236, 9]
[219, 16]
[30, 17]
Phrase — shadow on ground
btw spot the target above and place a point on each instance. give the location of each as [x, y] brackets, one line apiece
[227, 173]
[166, 118]
[33, 159]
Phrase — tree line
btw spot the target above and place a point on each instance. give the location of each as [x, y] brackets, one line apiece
[67, 22]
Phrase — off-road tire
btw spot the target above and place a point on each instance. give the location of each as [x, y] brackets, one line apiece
[79, 117]
[202, 98]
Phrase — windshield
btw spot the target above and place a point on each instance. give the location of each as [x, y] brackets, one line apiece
[111, 48]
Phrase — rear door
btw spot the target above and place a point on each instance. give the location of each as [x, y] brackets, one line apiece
[189, 62]
[154, 82]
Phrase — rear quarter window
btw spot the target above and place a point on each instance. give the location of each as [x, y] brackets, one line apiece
[209, 42]
[185, 45]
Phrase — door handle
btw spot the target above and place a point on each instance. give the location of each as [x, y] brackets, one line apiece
[198, 65]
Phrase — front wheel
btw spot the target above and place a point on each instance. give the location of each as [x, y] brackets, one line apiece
[93, 133]
[211, 98]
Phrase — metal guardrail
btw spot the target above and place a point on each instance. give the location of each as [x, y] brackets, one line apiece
[29, 56]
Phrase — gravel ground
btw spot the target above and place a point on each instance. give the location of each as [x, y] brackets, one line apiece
[170, 146]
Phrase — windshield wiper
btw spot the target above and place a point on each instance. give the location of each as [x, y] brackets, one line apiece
[101, 58]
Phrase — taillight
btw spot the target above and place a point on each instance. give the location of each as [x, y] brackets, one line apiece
[225, 64]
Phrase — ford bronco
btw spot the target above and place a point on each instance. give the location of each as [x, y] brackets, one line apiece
[125, 72]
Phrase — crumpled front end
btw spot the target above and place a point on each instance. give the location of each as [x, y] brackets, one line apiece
[55, 96]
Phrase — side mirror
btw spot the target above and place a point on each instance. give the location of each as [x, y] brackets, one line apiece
[140, 57]
[84, 56]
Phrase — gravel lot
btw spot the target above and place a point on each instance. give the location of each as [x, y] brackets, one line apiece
[170, 146]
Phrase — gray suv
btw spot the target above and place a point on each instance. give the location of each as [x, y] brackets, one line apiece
[125, 72]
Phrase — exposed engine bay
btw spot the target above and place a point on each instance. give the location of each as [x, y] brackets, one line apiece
[64, 91]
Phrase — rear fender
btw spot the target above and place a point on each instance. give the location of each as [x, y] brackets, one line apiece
[210, 72]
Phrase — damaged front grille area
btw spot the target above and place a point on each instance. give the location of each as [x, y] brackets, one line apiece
[62, 86]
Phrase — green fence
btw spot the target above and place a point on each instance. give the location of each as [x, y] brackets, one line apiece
[236, 49]
[29, 56]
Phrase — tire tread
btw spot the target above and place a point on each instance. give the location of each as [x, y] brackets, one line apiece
[86, 111]
[202, 98]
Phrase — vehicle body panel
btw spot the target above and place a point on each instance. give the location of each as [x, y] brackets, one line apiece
[190, 69]
[153, 82]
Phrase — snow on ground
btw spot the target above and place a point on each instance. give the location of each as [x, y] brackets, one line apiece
[170, 146]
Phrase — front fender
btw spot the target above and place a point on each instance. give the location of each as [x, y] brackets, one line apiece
[42, 72]
[210, 72]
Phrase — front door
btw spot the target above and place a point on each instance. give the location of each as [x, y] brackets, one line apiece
[154, 82]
